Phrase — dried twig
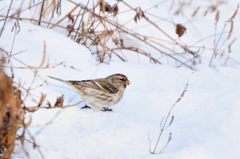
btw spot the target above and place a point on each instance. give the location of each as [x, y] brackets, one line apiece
[133, 34]
[41, 12]
[5, 20]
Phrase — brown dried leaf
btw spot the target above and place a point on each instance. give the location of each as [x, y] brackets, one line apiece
[101, 5]
[42, 99]
[136, 17]
[70, 28]
[114, 10]
[59, 102]
[104, 6]
[70, 17]
[180, 30]
[139, 14]
[107, 7]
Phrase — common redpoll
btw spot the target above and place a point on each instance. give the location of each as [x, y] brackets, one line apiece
[101, 93]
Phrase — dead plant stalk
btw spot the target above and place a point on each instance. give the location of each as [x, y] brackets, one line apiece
[133, 34]
[165, 123]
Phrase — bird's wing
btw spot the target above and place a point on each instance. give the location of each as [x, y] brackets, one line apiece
[98, 84]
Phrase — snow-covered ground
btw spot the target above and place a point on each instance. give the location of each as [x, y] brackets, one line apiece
[205, 124]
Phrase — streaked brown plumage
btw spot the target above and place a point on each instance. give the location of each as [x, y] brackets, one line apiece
[101, 93]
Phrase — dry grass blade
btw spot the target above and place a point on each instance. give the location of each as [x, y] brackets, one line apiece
[234, 14]
[217, 17]
[171, 121]
[195, 11]
[231, 29]
[230, 50]
[231, 20]
[44, 61]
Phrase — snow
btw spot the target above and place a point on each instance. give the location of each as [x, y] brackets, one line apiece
[205, 124]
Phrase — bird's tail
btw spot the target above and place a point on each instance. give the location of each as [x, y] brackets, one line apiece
[61, 80]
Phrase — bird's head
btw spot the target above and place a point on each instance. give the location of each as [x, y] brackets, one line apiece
[119, 80]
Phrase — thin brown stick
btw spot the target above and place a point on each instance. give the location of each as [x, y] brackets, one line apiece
[41, 13]
[5, 20]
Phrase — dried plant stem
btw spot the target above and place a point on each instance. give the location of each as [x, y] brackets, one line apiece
[162, 31]
[81, 21]
[41, 13]
[23, 10]
[5, 20]
[164, 125]
[62, 19]
[133, 34]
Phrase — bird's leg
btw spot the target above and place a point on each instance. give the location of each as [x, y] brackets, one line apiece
[106, 109]
[86, 107]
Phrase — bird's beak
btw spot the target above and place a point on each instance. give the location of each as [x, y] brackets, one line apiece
[127, 82]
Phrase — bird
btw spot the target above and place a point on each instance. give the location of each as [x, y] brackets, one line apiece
[101, 93]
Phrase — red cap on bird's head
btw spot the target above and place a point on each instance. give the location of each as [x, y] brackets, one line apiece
[121, 75]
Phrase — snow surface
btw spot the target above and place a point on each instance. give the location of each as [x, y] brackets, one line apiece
[205, 124]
